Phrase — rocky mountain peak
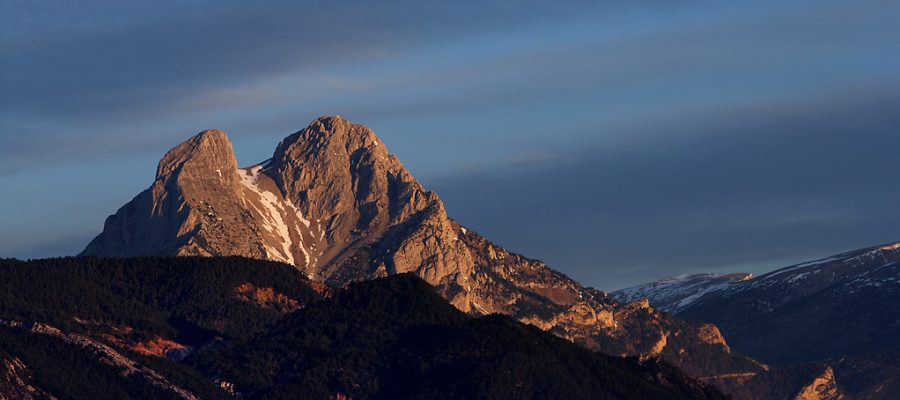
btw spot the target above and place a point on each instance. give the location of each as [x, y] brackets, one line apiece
[328, 134]
[334, 166]
[205, 152]
[333, 202]
[191, 208]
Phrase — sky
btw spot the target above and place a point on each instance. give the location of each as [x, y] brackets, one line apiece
[620, 142]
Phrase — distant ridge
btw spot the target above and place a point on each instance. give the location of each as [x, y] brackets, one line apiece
[677, 292]
[838, 312]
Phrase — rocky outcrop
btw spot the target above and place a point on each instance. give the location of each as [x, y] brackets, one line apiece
[795, 382]
[709, 333]
[266, 297]
[336, 204]
[823, 387]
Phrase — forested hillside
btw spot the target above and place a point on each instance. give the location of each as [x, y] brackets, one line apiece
[95, 328]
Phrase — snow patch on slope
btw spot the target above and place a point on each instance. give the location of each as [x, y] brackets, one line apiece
[275, 218]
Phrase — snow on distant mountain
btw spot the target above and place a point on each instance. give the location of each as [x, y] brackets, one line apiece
[812, 312]
[839, 311]
[677, 292]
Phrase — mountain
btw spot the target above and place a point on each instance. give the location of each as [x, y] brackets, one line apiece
[838, 311]
[675, 293]
[335, 204]
[226, 327]
[833, 307]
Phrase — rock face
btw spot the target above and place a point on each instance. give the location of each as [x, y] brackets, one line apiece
[333, 202]
[196, 206]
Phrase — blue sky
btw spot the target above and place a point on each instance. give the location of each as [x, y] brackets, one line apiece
[618, 141]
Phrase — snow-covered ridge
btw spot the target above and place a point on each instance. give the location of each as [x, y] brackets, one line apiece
[674, 293]
[851, 272]
[871, 267]
[832, 269]
[799, 266]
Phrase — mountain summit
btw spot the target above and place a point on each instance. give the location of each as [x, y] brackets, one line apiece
[333, 202]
